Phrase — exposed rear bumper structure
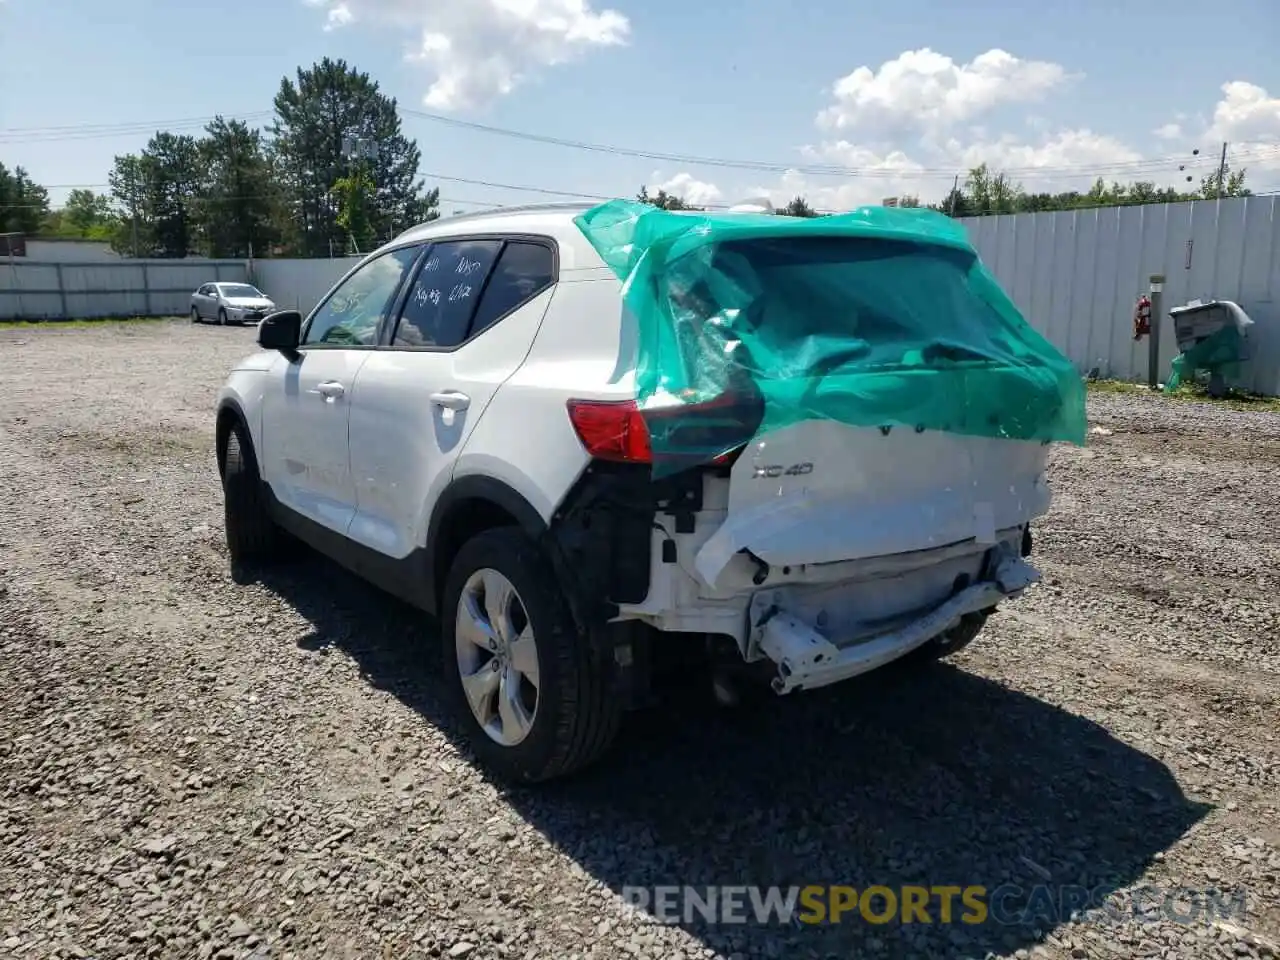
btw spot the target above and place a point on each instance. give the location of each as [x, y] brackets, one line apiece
[807, 658]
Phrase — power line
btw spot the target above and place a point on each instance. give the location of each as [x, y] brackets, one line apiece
[126, 124]
[74, 132]
[520, 188]
[772, 167]
[571, 194]
[465, 201]
[133, 130]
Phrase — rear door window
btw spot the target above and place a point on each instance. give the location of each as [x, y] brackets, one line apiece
[445, 293]
[524, 270]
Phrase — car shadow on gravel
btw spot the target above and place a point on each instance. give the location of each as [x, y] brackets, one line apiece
[928, 777]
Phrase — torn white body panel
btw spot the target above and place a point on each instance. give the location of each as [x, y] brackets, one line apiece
[862, 538]
[822, 492]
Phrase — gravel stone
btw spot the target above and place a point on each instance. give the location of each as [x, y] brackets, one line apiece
[194, 767]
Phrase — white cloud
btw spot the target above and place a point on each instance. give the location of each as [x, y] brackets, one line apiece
[872, 178]
[873, 175]
[481, 50]
[1246, 112]
[923, 89]
[1067, 160]
[696, 192]
[1247, 119]
[826, 196]
[1062, 161]
[912, 125]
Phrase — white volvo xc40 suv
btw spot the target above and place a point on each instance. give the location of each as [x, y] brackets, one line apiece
[456, 422]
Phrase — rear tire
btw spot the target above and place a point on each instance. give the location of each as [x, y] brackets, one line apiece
[252, 536]
[576, 713]
[953, 641]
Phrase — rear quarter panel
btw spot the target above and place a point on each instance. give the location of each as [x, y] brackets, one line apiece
[525, 438]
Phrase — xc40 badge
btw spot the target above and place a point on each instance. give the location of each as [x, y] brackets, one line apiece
[780, 470]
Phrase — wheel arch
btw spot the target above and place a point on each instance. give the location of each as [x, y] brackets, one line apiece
[229, 414]
[469, 506]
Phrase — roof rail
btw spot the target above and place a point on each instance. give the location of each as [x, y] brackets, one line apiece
[565, 206]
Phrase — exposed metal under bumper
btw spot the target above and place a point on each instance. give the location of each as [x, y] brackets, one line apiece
[806, 659]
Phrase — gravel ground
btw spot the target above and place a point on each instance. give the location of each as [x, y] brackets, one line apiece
[196, 768]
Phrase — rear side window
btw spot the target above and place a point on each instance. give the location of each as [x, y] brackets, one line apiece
[466, 286]
[524, 270]
[438, 310]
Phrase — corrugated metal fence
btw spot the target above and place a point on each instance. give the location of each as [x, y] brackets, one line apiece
[35, 290]
[1077, 275]
[299, 284]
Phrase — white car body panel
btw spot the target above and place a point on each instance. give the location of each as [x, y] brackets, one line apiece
[405, 444]
[304, 454]
[870, 494]
[568, 360]
[259, 362]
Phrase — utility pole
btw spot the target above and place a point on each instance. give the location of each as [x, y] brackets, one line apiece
[1153, 339]
[955, 188]
[1222, 172]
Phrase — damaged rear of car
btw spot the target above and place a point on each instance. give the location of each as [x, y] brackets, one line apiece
[838, 440]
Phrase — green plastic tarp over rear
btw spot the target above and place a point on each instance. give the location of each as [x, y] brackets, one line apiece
[882, 317]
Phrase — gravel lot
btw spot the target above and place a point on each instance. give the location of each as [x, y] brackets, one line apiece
[196, 768]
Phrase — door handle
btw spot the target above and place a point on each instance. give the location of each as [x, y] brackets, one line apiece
[451, 400]
[331, 389]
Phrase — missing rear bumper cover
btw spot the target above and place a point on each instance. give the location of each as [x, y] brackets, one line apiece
[806, 658]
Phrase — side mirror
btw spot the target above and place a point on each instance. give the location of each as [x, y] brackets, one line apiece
[281, 331]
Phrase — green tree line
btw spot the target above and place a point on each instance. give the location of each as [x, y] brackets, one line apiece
[985, 192]
[289, 190]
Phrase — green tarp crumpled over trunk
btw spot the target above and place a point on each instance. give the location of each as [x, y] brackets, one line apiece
[882, 317]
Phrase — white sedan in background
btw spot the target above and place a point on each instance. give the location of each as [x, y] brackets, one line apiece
[230, 303]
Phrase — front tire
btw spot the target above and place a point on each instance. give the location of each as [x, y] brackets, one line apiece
[195, 315]
[533, 693]
[252, 536]
[222, 317]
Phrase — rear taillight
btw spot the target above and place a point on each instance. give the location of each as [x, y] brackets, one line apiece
[688, 434]
[611, 430]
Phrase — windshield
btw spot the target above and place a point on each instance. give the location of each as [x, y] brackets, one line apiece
[240, 290]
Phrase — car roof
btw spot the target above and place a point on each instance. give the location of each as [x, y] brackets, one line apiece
[532, 211]
[554, 220]
[532, 218]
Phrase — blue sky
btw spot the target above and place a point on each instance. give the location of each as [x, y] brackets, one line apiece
[1054, 94]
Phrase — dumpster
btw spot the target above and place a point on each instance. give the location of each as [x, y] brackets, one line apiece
[1212, 336]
